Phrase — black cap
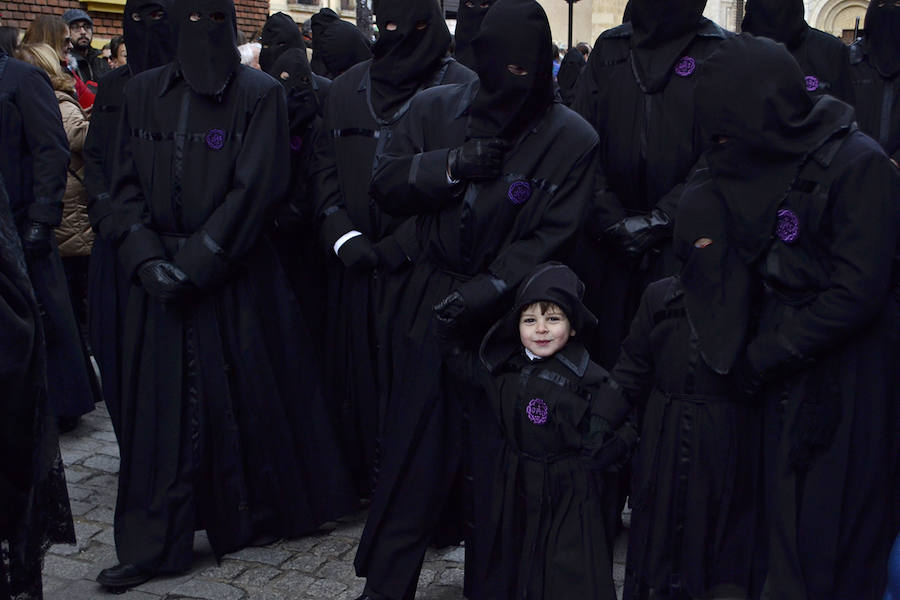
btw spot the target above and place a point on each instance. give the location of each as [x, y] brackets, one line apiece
[76, 14]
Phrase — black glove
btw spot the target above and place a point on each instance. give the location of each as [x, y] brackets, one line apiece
[471, 298]
[36, 239]
[164, 280]
[633, 236]
[605, 448]
[746, 381]
[357, 254]
[477, 159]
[448, 311]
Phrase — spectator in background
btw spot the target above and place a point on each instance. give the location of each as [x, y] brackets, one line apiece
[585, 49]
[118, 54]
[91, 66]
[105, 52]
[250, 54]
[54, 32]
[9, 39]
[557, 62]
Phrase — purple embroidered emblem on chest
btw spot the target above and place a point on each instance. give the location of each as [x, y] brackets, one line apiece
[296, 143]
[519, 192]
[215, 139]
[812, 83]
[537, 411]
[685, 67]
[788, 227]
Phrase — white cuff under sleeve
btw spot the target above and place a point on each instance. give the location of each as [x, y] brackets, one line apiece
[345, 238]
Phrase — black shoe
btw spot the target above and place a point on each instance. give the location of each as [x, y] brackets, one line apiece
[123, 577]
[67, 424]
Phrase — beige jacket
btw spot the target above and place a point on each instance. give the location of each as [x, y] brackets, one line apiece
[74, 235]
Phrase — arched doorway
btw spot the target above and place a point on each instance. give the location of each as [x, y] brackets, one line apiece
[838, 17]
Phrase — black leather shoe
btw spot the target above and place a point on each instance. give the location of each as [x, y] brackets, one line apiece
[123, 577]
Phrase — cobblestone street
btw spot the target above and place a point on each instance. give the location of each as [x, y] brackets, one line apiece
[315, 567]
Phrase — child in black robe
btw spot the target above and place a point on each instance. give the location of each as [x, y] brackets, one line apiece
[549, 523]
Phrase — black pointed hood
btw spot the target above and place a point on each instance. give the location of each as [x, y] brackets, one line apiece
[663, 30]
[293, 71]
[149, 34]
[207, 44]
[340, 46]
[780, 20]
[413, 40]
[514, 32]
[468, 21]
[569, 70]
[279, 34]
[882, 37]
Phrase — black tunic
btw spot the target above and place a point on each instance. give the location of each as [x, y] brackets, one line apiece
[467, 233]
[648, 147]
[693, 495]
[877, 100]
[825, 62]
[33, 164]
[361, 303]
[223, 422]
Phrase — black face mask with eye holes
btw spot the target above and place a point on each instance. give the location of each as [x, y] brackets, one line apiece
[413, 39]
[468, 22]
[207, 44]
[292, 70]
[149, 34]
[279, 34]
[883, 36]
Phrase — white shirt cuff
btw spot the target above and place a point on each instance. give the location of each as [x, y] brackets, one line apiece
[345, 238]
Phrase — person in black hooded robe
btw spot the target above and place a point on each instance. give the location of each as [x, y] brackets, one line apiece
[812, 206]
[223, 422]
[33, 163]
[468, 21]
[319, 22]
[513, 197]
[340, 46]
[569, 71]
[637, 90]
[694, 509]
[34, 501]
[280, 34]
[365, 104]
[824, 58]
[875, 66]
[151, 43]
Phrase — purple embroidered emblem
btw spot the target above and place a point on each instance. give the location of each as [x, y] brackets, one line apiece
[812, 83]
[519, 192]
[685, 67]
[215, 139]
[537, 411]
[296, 143]
[788, 227]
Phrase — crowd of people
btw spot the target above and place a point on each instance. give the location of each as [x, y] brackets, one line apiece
[490, 291]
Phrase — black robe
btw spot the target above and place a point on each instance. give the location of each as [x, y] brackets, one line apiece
[824, 60]
[107, 285]
[877, 101]
[694, 509]
[33, 163]
[357, 360]
[223, 422]
[648, 147]
[465, 233]
[34, 502]
[828, 332]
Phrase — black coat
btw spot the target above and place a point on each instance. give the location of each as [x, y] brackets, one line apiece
[825, 62]
[648, 147]
[34, 165]
[91, 67]
[466, 234]
[694, 498]
[827, 340]
[877, 101]
[221, 401]
[362, 302]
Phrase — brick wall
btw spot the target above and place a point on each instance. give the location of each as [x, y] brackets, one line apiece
[251, 14]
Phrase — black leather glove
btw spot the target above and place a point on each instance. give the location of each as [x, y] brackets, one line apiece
[164, 280]
[605, 448]
[448, 311]
[477, 159]
[357, 254]
[746, 381]
[633, 236]
[36, 238]
[470, 299]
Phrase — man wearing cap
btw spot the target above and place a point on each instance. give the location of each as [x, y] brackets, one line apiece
[91, 65]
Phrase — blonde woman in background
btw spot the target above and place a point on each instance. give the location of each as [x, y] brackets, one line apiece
[52, 30]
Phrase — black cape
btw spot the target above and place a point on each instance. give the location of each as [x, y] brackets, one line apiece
[221, 403]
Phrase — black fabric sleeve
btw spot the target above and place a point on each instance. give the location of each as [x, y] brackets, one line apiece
[634, 371]
[101, 137]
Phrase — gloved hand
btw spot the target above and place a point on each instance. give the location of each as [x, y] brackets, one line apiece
[605, 448]
[471, 298]
[633, 236]
[36, 239]
[357, 254]
[449, 310]
[164, 280]
[746, 381]
[477, 159]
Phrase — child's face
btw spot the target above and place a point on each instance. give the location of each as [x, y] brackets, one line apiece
[544, 333]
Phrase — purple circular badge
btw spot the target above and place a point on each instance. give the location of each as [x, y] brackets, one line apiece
[215, 139]
[537, 411]
[788, 227]
[296, 143]
[812, 83]
[685, 66]
[519, 192]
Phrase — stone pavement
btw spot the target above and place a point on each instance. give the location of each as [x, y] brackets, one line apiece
[317, 567]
